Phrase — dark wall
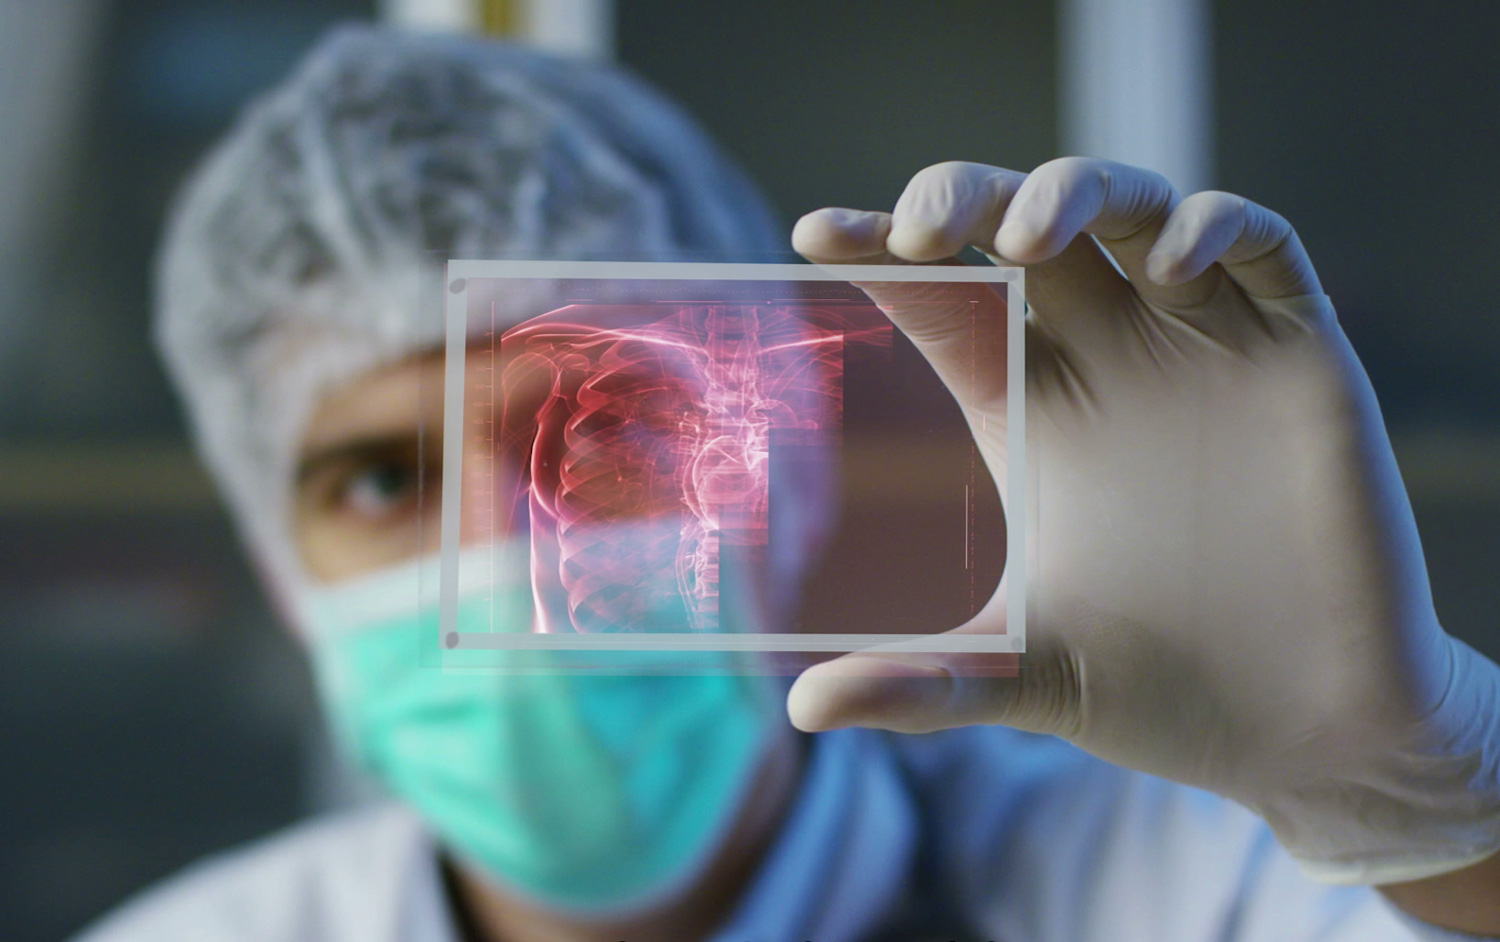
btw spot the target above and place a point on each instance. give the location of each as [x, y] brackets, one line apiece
[1377, 134]
[150, 710]
[840, 102]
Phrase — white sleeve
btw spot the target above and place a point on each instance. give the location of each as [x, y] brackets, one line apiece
[368, 875]
[1039, 840]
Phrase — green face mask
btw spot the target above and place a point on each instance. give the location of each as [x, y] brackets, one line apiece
[585, 793]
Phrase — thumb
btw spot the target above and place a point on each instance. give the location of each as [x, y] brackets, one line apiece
[913, 692]
[838, 236]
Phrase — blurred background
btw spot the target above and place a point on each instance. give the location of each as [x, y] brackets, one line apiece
[151, 711]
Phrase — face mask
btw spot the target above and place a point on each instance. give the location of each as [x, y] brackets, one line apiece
[585, 793]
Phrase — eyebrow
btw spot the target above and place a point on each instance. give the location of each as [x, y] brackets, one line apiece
[364, 447]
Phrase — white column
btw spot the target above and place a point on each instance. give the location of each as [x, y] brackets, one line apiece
[447, 16]
[1136, 85]
[45, 68]
[582, 28]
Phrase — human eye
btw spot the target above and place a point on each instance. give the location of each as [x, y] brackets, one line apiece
[379, 489]
[369, 485]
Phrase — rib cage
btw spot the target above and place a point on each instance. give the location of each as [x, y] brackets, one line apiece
[646, 434]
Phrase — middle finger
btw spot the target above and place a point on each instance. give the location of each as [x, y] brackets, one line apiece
[951, 205]
[1123, 207]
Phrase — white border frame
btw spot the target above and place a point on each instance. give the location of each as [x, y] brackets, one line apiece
[459, 271]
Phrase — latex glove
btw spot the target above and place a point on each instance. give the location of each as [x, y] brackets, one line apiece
[1229, 591]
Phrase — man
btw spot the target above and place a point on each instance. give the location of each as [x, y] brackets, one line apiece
[1230, 591]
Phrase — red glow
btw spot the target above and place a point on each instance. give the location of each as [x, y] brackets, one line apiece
[647, 433]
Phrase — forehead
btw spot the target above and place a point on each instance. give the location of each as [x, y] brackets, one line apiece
[393, 400]
[398, 399]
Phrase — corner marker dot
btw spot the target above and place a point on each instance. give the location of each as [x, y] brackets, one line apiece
[452, 639]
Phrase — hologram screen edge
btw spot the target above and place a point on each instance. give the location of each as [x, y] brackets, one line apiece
[1019, 495]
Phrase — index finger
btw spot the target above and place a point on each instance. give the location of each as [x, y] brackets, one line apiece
[959, 327]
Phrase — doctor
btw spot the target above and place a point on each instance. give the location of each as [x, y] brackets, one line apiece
[1239, 715]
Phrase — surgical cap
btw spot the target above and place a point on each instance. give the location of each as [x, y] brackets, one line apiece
[295, 256]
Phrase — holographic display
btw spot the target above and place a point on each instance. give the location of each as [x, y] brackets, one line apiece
[655, 455]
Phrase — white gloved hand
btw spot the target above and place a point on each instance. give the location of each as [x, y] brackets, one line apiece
[1229, 590]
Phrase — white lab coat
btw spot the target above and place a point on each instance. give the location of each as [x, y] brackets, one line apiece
[975, 834]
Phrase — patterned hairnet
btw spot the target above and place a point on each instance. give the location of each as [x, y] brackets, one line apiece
[295, 256]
